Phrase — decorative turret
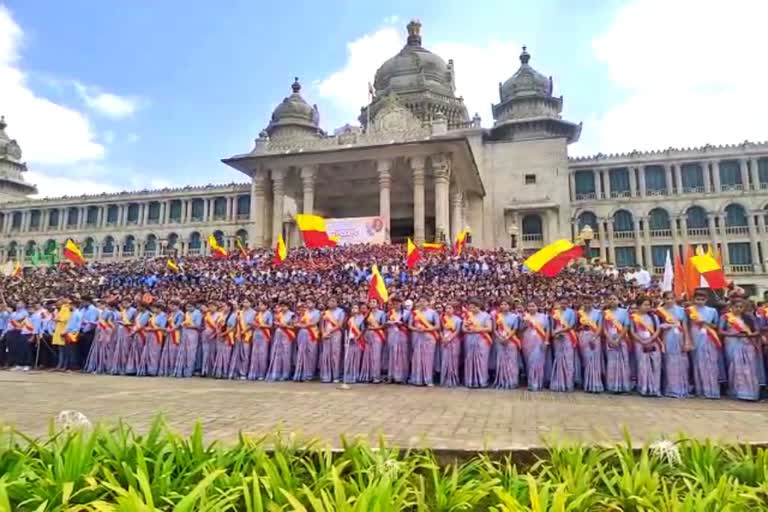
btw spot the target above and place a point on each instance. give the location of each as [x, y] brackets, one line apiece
[12, 184]
[294, 117]
[527, 109]
[421, 81]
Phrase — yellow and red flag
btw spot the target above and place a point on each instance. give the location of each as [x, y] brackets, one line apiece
[73, 253]
[241, 248]
[378, 288]
[550, 260]
[692, 277]
[216, 250]
[412, 254]
[432, 247]
[281, 251]
[172, 265]
[679, 281]
[313, 231]
[460, 243]
[706, 266]
[12, 269]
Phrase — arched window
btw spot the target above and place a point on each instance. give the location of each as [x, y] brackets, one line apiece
[735, 215]
[587, 219]
[151, 244]
[109, 246]
[622, 221]
[242, 235]
[194, 241]
[13, 250]
[173, 239]
[533, 228]
[219, 236]
[89, 247]
[129, 246]
[219, 208]
[30, 249]
[243, 206]
[696, 218]
[658, 219]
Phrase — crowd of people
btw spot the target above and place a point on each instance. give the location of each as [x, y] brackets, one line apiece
[480, 319]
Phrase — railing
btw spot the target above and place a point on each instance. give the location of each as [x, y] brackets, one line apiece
[620, 193]
[656, 192]
[151, 253]
[153, 221]
[733, 187]
[623, 235]
[536, 237]
[737, 230]
[107, 255]
[661, 233]
[243, 216]
[693, 190]
[658, 270]
[698, 231]
[128, 252]
[764, 185]
[196, 219]
[741, 269]
[586, 197]
[194, 251]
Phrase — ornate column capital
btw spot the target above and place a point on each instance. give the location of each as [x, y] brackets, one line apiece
[383, 168]
[441, 167]
[308, 174]
[457, 198]
[417, 166]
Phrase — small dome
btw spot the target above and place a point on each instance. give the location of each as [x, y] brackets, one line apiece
[414, 68]
[526, 81]
[9, 149]
[294, 111]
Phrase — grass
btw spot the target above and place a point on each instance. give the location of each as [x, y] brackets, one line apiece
[118, 469]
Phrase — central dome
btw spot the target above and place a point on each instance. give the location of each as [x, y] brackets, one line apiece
[414, 68]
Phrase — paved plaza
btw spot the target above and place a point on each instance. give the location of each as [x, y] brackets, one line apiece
[439, 418]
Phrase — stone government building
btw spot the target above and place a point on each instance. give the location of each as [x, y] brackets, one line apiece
[428, 170]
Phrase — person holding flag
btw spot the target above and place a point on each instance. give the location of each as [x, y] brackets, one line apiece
[331, 348]
[676, 342]
[425, 326]
[508, 345]
[707, 357]
[738, 333]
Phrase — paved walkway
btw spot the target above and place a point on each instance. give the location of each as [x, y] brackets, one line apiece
[403, 415]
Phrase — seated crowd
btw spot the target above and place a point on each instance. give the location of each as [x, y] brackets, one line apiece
[478, 320]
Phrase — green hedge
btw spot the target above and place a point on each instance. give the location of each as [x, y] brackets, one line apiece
[117, 469]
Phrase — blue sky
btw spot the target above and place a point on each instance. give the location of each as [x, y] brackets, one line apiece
[125, 95]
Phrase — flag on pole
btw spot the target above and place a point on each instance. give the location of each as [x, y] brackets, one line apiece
[668, 282]
[241, 248]
[692, 277]
[710, 270]
[313, 231]
[73, 253]
[281, 251]
[412, 254]
[460, 243]
[172, 265]
[550, 260]
[216, 250]
[679, 281]
[378, 288]
[432, 247]
[12, 269]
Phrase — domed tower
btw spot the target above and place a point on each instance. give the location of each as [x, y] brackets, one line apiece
[420, 80]
[12, 184]
[527, 109]
[294, 117]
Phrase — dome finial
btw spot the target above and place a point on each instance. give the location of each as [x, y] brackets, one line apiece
[296, 86]
[3, 124]
[414, 32]
[525, 56]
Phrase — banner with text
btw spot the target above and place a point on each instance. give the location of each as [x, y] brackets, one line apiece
[357, 230]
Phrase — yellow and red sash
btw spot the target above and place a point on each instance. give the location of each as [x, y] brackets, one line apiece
[262, 326]
[737, 324]
[355, 333]
[124, 318]
[393, 318]
[159, 334]
[473, 322]
[328, 318]
[312, 330]
[586, 321]
[505, 331]
[104, 324]
[557, 316]
[138, 329]
[70, 337]
[536, 327]
[375, 327]
[611, 318]
[209, 322]
[695, 317]
[289, 332]
[17, 324]
[172, 331]
[667, 317]
[422, 322]
[245, 332]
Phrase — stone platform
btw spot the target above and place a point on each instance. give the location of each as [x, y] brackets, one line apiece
[443, 419]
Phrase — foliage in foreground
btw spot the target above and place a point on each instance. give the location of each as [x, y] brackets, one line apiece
[119, 470]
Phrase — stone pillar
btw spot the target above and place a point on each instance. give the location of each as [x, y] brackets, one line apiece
[646, 245]
[417, 166]
[62, 218]
[206, 209]
[668, 176]
[308, 175]
[607, 190]
[229, 211]
[706, 176]
[384, 167]
[762, 229]
[716, 175]
[754, 172]
[278, 194]
[457, 221]
[572, 185]
[638, 242]
[756, 263]
[258, 183]
[675, 234]
[713, 234]
[744, 173]
[611, 242]
[632, 181]
[144, 213]
[677, 170]
[598, 185]
[684, 228]
[602, 238]
[641, 176]
[44, 217]
[442, 174]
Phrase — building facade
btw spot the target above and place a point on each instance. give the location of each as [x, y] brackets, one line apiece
[428, 170]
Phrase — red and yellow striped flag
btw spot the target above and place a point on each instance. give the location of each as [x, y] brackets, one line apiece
[460, 243]
[281, 251]
[378, 288]
[437, 247]
[550, 260]
[216, 250]
[412, 254]
[707, 267]
[73, 253]
[313, 231]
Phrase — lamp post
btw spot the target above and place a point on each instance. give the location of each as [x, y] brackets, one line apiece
[512, 230]
[587, 234]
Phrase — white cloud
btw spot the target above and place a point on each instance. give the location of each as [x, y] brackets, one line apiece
[107, 104]
[57, 186]
[47, 132]
[479, 68]
[693, 72]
